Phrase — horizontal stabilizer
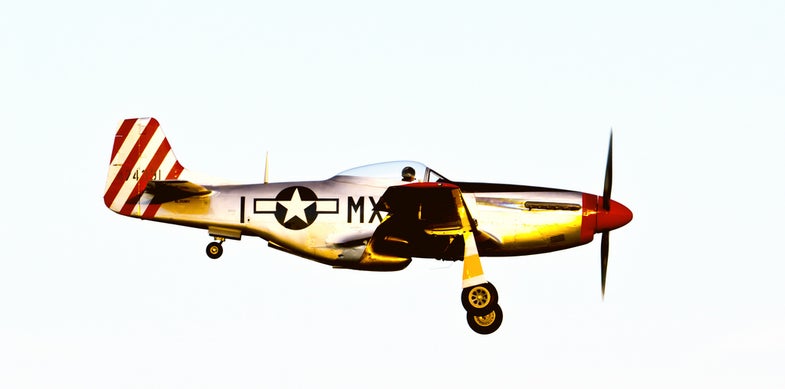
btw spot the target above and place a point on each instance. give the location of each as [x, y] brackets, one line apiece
[172, 190]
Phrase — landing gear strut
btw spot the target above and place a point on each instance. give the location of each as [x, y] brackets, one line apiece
[214, 249]
[479, 297]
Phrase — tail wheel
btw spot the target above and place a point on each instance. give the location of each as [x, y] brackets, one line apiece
[485, 324]
[214, 250]
[480, 299]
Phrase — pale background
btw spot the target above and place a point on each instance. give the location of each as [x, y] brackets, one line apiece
[516, 92]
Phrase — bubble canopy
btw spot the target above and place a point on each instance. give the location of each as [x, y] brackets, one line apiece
[393, 170]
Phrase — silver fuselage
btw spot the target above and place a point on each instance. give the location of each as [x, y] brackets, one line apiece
[341, 216]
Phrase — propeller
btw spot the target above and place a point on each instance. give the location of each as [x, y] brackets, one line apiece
[606, 192]
[609, 216]
[606, 204]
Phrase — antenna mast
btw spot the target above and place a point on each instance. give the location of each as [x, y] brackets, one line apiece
[266, 166]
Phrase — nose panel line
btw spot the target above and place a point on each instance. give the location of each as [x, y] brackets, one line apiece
[589, 217]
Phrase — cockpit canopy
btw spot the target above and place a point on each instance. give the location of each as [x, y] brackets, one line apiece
[392, 172]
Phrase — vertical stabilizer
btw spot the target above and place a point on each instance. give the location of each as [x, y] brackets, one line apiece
[140, 154]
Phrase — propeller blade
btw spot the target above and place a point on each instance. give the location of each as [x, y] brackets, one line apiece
[606, 192]
[604, 259]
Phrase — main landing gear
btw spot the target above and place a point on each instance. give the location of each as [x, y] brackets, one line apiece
[479, 297]
[483, 312]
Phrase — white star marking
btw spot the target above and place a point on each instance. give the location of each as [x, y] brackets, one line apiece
[295, 207]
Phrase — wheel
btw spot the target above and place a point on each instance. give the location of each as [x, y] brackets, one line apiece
[214, 250]
[485, 324]
[480, 299]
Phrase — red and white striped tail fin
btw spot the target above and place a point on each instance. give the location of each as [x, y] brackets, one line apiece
[140, 154]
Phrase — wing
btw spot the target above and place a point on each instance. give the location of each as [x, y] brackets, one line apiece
[427, 220]
[172, 190]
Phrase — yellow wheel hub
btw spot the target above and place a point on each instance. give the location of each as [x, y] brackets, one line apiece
[486, 320]
[479, 297]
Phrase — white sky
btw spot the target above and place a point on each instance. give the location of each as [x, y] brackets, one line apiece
[517, 92]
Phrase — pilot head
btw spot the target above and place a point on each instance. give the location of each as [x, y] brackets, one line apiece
[408, 173]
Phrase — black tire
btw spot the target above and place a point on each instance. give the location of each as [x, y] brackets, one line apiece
[486, 324]
[480, 300]
[214, 250]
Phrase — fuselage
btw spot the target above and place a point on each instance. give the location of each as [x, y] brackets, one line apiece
[331, 221]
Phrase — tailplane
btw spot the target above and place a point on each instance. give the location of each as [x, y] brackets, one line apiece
[141, 154]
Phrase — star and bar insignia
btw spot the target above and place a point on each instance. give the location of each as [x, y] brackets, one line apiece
[296, 207]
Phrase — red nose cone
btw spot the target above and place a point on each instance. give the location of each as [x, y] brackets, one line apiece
[618, 216]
